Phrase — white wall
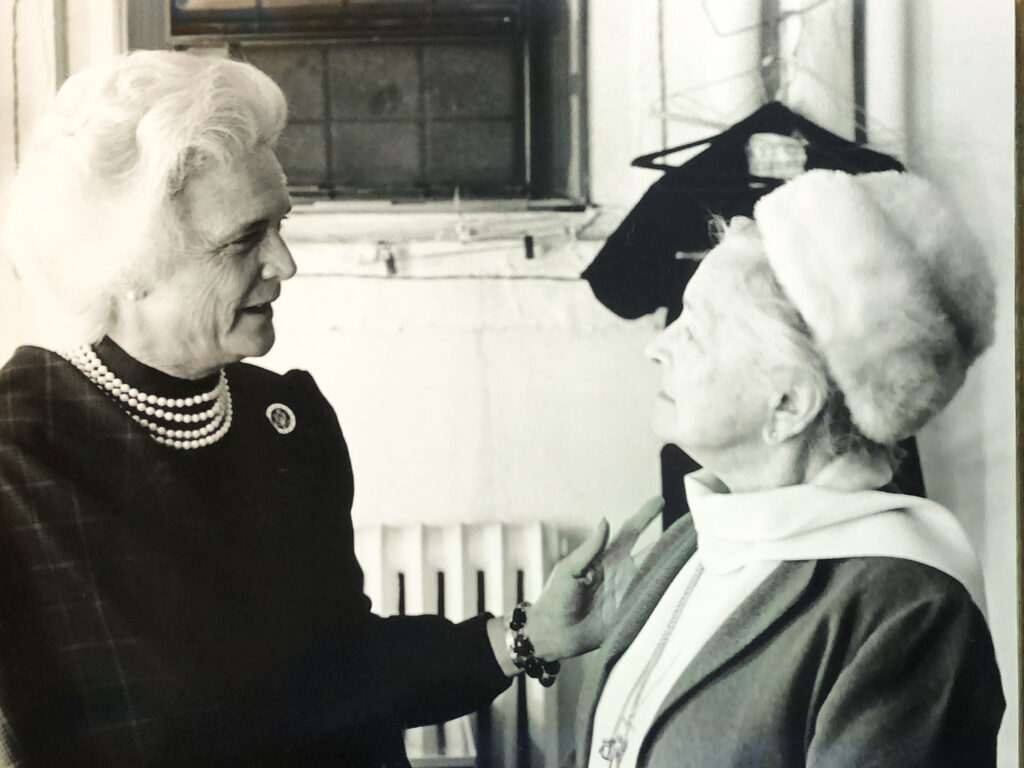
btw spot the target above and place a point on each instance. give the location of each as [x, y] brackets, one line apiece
[28, 51]
[961, 134]
[470, 397]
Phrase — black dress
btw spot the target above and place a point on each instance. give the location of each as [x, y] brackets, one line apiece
[200, 607]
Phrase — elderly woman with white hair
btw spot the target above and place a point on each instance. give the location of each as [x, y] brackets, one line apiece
[177, 577]
[803, 614]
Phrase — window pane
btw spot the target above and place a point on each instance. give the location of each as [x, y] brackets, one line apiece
[470, 80]
[384, 5]
[367, 19]
[398, 96]
[511, 7]
[473, 152]
[213, 5]
[302, 151]
[299, 72]
[373, 81]
[375, 155]
[299, 3]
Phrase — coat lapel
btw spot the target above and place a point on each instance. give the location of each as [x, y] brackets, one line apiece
[755, 616]
[669, 555]
[650, 584]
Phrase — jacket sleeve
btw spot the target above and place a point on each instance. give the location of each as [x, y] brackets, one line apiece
[402, 670]
[920, 689]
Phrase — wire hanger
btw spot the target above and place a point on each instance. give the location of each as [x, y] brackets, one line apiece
[773, 117]
[782, 16]
[774, 71]
[725, 164]
[883, 135]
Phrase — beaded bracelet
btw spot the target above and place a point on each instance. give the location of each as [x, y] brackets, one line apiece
[522, 650]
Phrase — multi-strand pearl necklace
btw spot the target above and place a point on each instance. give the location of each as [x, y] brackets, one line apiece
[149, 411]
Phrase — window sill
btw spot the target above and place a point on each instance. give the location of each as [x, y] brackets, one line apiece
[433, 204]
[412, 241]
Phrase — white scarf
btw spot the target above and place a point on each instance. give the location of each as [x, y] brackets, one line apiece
[831, 517]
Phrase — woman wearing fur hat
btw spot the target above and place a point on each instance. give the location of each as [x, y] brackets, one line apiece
[802, 615]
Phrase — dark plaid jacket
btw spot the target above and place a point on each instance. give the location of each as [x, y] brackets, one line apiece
[200, 607]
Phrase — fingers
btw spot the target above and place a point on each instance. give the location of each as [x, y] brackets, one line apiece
[639, 521]
[591, 576]
[580, 560]
[631, 530]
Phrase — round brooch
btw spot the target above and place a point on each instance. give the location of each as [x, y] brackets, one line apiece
[281, 417]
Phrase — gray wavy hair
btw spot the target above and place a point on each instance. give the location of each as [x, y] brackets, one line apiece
[90, 214]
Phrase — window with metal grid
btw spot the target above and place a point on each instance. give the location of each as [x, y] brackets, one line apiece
[410, 98]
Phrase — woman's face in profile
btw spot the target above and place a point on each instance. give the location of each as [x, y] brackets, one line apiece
[712, 396]
[214, 307]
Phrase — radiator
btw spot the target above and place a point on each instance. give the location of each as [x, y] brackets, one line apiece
[459, 571]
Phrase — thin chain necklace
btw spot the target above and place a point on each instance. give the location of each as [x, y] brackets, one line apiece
[613, 749]
[162, 417]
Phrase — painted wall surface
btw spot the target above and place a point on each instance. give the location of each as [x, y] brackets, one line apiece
[476, 397]
[961, 134]
[27, 43]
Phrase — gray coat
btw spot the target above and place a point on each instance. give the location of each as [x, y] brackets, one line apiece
[866, 662]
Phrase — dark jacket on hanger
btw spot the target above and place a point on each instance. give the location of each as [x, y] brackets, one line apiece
[639, 268]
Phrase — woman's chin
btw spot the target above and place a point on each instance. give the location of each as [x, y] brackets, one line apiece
[664, 420]
[253, 341]
[264, 344]
[671, 434]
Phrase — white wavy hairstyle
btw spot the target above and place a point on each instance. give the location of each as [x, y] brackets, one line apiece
[90, 215]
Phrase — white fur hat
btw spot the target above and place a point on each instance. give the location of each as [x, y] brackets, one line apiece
[894, 288]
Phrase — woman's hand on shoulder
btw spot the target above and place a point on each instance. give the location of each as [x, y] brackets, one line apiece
[577, 607]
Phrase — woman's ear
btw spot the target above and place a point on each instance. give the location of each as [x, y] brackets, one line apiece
[795, 408]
